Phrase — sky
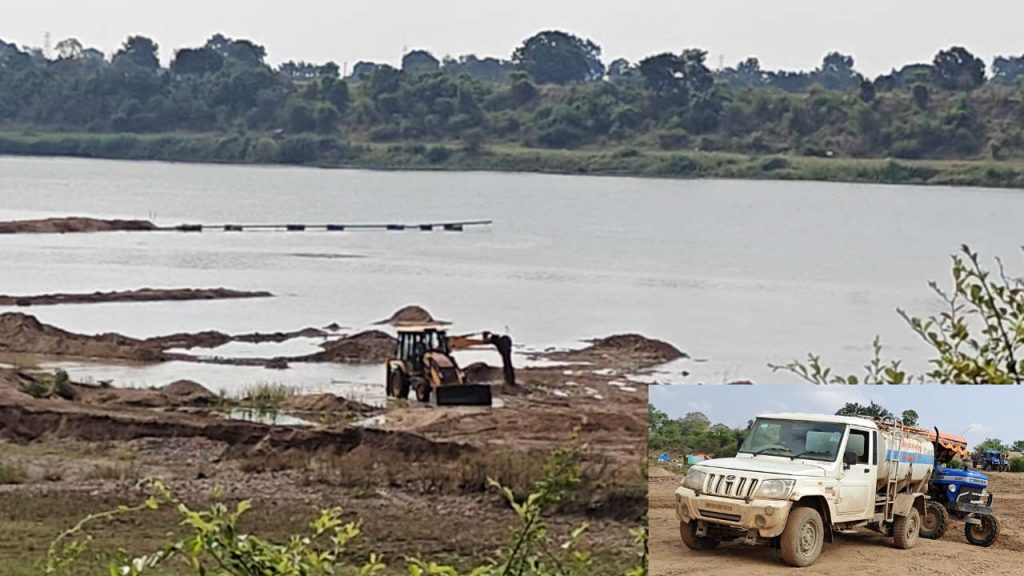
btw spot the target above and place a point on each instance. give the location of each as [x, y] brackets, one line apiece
[788, 34]
[976, 412]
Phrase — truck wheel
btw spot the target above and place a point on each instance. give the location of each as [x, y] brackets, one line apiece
[985, 534]
[935, 522]
[398, 385]
[802, 538]
[688, 532]
[906, 529]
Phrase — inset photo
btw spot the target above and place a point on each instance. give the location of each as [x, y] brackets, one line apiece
[765, 479]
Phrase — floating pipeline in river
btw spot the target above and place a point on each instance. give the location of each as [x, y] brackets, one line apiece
[80, 225]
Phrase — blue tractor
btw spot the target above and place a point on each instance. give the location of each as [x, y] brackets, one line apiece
[992, 460]
[960, 493]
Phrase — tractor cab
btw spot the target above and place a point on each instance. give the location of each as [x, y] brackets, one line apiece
[415, 342]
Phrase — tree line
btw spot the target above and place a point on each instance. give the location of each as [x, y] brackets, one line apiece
[554, 91]
[695, 434]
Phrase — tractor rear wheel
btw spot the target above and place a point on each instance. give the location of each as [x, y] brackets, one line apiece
[906, 529]
[983, 534]
[688, 532]
[398, 385]
[803, 537]
[935, 521]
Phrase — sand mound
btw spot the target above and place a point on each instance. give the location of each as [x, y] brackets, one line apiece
[188, 391]
[411, 315]
[326, 403]
[636, 345]
[622, 351]
[659, 472]
[482, 373]
[73, 224]
[370, 347]
[140, 295]
[26, 334]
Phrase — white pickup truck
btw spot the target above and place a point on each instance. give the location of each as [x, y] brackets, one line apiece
[798, 478]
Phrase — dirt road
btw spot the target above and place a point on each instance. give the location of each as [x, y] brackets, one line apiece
[862, 554]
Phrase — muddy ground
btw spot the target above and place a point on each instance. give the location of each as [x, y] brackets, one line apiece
[139, 295]
[73, 224]
[864, 553]
[416, 479]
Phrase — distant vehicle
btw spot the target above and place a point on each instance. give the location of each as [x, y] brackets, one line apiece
[992, 460]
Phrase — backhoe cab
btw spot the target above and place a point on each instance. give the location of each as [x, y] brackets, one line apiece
[423, 363]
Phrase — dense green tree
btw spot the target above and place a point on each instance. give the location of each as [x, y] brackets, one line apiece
[555, 57]
[746, 74]
[196, 61]
[669, 100]
[837, 73]
[909, 417]
[139, 51]
[872, 410]
[958, 69]
[867, 91]
[420, 61]
[69, 49]
[921, 96]
[1018, 446]
[691, 434]
[992, 444]
[1007, 70]
[243, 51]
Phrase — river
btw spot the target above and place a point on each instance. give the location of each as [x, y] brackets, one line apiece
[738, 274]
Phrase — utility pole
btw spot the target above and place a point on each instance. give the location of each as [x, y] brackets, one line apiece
[47, 45]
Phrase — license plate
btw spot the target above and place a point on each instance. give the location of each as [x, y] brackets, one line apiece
[719, 507]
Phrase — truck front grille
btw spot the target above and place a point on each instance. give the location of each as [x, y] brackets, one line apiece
[730, 486]
[719, 515]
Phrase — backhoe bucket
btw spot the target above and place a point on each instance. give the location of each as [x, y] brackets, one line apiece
[463, 395]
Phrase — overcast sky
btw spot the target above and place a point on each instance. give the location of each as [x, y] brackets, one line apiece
[980, 411]
[787, 34]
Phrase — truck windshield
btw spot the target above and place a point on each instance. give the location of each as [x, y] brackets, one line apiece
[795, 438]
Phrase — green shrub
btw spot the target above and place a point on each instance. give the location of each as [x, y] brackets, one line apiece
[266, 397]
[12, 473]
[44, 387]
[1017, 465]
[774, 163]
[956, 463]
[438, 154]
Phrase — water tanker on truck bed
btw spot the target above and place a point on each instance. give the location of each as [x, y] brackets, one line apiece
[799, 478]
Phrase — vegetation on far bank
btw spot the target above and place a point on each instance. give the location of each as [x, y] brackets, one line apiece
[553, 106]
[334, 152]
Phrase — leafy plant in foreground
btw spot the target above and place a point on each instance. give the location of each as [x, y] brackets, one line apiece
[216, 547]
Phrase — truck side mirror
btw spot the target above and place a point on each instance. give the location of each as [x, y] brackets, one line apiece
[849, 458]
[739, 442]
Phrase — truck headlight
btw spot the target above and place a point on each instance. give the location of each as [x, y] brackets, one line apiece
[777, 489]
[694, 480]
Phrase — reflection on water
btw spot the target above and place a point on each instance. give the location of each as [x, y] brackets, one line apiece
[359, 383]
[738, 273]
[271, 418]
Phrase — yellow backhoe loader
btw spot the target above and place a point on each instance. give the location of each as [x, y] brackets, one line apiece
[423, 363]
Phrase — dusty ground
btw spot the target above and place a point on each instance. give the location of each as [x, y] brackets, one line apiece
[865, 553]
[417, 482]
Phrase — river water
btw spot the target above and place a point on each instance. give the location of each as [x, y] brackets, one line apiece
[738, 274]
